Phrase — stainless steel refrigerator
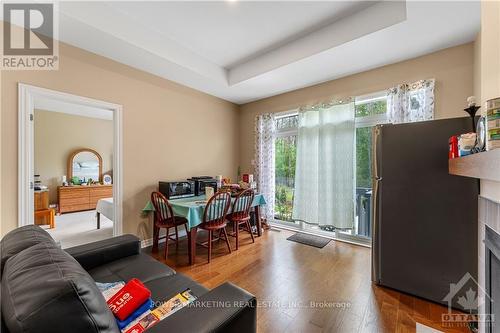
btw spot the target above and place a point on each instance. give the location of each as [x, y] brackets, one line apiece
[424, 219]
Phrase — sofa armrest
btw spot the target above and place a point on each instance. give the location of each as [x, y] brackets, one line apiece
[101, 252]
[227, 308]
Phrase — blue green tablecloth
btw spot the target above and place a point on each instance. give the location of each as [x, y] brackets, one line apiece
[192, 208]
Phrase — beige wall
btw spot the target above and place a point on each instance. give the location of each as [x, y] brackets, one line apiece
[488, 86]
[57, 135]
[477, 67]
[489, 64]
[169, 131]
[452, 68]
[172, 132]
[489, 41]
[2, 159]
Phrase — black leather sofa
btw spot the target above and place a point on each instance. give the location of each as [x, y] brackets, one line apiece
[46, 289]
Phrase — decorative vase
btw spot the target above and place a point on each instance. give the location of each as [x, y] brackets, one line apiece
[472, 110]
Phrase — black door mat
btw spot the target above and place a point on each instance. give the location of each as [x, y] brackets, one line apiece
[311, 240]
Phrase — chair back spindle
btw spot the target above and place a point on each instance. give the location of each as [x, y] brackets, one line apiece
[216, 209]
[242, 205]
[164, 218]
[163, 209]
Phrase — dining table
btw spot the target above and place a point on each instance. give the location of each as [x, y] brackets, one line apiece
[192, 209]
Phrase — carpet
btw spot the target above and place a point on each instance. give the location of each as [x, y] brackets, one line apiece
[310, 240]
[72, 229]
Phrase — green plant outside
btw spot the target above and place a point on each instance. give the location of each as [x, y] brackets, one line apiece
[286, 154]
[364, 142]
[285, 158]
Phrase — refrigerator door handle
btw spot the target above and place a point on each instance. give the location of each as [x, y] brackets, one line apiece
[375, 207]
[375, 233]
[375, 152]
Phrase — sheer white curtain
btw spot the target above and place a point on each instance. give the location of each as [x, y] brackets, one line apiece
[407, 103]
[265, 134]
[324, 174]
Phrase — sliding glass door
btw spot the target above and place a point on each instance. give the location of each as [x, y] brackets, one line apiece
[363, 181]
[370, 111]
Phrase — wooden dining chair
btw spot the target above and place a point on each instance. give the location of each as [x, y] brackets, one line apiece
[240, 214]
[214, 219]
[165, 218]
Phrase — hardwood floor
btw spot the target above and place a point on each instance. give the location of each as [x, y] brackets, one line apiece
[288, 278]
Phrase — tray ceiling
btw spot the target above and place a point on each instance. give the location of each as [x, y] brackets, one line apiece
[243, 51]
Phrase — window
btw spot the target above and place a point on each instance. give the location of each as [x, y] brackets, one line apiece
[370, 110]
[285, 156]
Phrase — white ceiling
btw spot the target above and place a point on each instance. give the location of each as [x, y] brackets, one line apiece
[244, 51]
[228, 33]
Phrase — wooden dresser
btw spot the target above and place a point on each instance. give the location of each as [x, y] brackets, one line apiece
[78, 198]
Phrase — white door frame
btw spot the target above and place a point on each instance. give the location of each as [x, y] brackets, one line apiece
[26, 106]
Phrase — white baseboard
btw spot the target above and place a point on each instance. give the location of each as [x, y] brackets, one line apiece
[149, 241]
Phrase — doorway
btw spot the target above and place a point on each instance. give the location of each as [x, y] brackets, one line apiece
[70, 164]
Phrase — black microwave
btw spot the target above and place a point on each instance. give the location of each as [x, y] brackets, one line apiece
[176, 190]
[201, 182]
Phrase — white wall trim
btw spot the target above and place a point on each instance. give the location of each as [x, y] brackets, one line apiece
[489, 198]
[25, 157]
[149, 241]
[349, 240]
[53, 105]
[27, 94]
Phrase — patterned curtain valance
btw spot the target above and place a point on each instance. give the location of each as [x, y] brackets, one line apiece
[325, 105]
[412, 102]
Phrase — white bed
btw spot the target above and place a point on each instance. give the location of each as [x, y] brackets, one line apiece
[105, 207]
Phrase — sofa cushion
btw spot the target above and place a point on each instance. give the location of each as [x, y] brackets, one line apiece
[140, 266]
[20, 239]
[3, 328]
[225, 309]
[167, 287]
[95, 254]
[44, 289]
